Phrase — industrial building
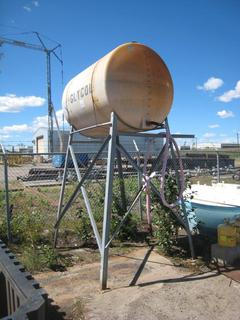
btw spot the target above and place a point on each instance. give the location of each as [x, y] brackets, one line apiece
[230, 145]
[90, 145]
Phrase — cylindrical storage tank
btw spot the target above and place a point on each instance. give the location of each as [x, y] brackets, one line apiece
[132, 81]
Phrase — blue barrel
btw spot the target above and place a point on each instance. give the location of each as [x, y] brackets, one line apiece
[58, 160]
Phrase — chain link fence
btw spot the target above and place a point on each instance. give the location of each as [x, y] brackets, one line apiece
[33, 183]
[30, 184]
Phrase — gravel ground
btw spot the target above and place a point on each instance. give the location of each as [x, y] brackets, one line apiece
[161, 291]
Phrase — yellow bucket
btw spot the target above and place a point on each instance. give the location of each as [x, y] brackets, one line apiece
[227, 235]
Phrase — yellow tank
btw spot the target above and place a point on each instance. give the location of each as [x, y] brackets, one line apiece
[227, 235]
[132, 81]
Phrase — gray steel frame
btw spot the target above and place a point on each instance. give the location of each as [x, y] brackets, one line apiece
[115, 149]
[8, 211]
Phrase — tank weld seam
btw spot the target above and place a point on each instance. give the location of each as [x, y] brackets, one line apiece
[93, 102]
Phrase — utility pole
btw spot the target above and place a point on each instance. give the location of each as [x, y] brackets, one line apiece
[48, 53]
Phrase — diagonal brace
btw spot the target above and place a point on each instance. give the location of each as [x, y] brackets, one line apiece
[84, 177]
[86, 200]
[137, 168]
[125, 216]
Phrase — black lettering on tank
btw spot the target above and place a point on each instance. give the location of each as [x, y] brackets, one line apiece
[90, 87]
[82, 92]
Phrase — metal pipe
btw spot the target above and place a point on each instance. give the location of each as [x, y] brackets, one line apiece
[93, 127]
[155, 135]
[108, 202]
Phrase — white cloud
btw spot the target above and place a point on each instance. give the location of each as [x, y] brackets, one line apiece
[4, 137]
[213, 126]
[42, 121]
[12, 103]
[231, 94]
[60, 118]
[211, 84]
[31, 5]
[28, 9]
[225, 114]
[209, 135]
[15, 128]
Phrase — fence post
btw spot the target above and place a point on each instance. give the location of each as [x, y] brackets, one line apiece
[139, 177]
[218, 167]
[139, 187]
[8, 211]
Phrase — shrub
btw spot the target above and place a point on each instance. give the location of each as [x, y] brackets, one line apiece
[3, 228]
[39, 258]
[83, 226]
[165, 228]
[28, 227]
[128, 230]
[165, 225]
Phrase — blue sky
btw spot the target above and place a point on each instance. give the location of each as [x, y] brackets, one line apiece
[198, 40]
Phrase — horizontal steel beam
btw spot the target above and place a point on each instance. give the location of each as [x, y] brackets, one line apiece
[156, 135]
[92, 127]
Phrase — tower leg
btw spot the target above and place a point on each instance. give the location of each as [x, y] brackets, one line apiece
[108, 203]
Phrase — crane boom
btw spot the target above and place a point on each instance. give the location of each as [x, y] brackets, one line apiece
[23, 44]
[48, 52]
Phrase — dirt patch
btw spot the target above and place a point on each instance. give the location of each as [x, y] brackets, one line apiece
[143, 285]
